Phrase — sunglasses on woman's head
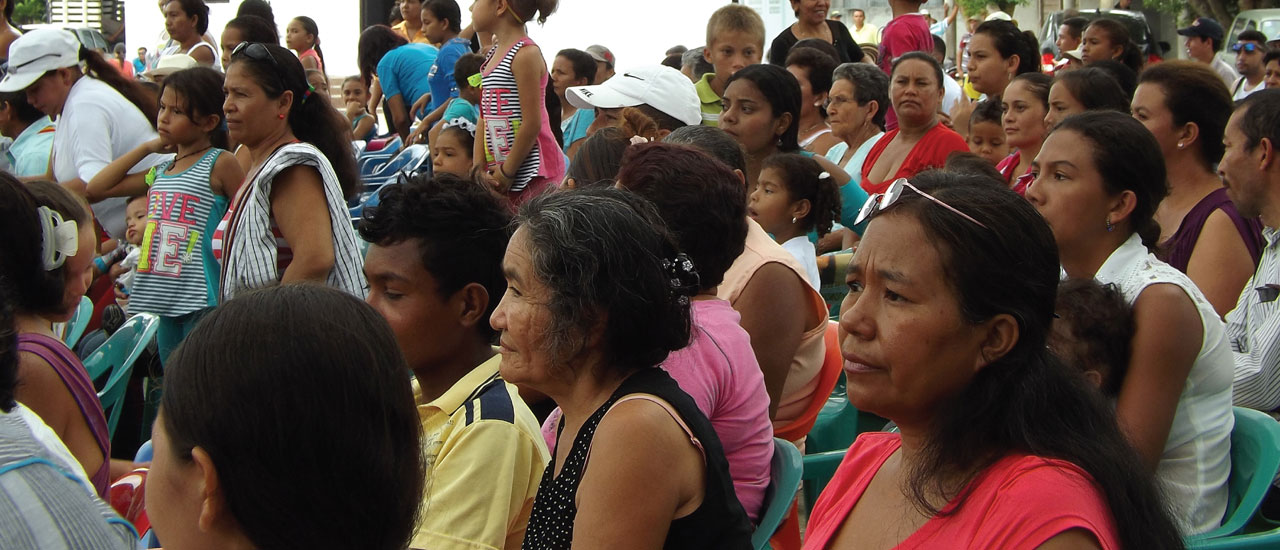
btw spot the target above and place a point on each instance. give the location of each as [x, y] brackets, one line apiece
[1249, 47]
[880, 202]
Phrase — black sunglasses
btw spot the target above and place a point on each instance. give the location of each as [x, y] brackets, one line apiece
[258, 51]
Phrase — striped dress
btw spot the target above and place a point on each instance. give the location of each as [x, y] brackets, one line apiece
[500, 109]
[170, 281]
[252, 249]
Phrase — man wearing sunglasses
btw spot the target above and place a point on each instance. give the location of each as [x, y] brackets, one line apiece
[1250, 48]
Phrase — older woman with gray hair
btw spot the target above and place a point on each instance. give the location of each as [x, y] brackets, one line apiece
[856, 108]
[597, 296]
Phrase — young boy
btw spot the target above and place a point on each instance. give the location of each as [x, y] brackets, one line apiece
[986, 135]
[435, 272]
[463, 106]
[735, 39]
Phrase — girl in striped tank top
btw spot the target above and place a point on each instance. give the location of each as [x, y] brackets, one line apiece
[184, 195]
[515, 151]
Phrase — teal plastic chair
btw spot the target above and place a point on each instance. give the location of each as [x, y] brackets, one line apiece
[784, 475]
[78, 322]
[1268, 540]
[819, 468]
[117, 356]
[1255, 459]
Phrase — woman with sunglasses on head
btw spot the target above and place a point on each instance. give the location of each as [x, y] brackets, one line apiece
[943, 331]
[1100, 178]
[288, 222]
[921, 141]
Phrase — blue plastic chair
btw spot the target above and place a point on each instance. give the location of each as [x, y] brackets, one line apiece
[117, 356]
[145, 452]
[784, 475]
[1255, 459]
[78, 322]
[370, 159]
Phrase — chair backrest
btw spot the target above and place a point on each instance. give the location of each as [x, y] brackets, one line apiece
[78, 322]
[117, 355]
[832, 366]
[784, 481]
[1255, 459]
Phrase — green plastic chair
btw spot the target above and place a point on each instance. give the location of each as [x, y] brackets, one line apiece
[117, 356]
[78, 322]
[1268, 540]
[819, 468]
[784, 481]
[1255, 459]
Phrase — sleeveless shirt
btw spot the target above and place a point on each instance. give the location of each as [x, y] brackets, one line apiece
[73, 375]
[719, 522]
[1176, 251]
[500, 108]
[171, 271]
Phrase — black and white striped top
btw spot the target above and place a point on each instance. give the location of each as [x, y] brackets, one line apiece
[249, 246]
[500, 108]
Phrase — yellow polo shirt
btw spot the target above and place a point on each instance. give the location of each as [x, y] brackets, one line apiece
[485, 457]
[712, 104]
[403, 30]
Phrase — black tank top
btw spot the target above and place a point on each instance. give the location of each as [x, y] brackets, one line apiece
[719, 522]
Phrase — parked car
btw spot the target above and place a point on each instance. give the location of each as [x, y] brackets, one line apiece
[1135, 21]
[1267, 21]
[89, 38]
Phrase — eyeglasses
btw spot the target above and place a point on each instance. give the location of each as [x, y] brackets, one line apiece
[1249, 47]
[837, 101]
[882, 201]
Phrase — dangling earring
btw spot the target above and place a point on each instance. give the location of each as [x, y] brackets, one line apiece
[1109, 226]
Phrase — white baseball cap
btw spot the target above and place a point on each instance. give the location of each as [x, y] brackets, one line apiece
[658, 86]
[36, 53]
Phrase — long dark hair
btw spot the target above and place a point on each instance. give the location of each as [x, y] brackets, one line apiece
[309, 25]
[201, 88]
[1128, 158]
[781, 89]
[1096, 89]
[255, 29]
[339, 362]
[1117, 33]
[101, 69]
[1026, 401]
[8, 351]
[1194, 93]
[375, 42]
[311, 117]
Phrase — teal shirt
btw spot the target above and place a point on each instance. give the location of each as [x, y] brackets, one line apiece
[29, 154]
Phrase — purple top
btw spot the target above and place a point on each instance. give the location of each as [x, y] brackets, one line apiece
[72, 373]
[1177, 250]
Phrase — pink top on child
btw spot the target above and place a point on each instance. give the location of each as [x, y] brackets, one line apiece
[719, 371]
[311, 52]
[544, 166]
[1019, 502]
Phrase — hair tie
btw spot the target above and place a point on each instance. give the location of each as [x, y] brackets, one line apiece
[307, 93]
[682, 277]
[824, 176]
[59, 238]
[517, 16]
[460, 122]
[637, 140]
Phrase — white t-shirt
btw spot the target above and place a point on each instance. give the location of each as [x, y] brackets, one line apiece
[807, 254]
[1242, 90]
[1196, 461]
[951, 92]
[1224, 70]
[97, 126]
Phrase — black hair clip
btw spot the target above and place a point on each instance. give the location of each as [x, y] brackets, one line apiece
[1268, 293]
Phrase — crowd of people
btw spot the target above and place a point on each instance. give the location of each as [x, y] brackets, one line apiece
[597, 312]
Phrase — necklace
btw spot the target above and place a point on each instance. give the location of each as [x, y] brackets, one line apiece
[812, 127]
[175, 161]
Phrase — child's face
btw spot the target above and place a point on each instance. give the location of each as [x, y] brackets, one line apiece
[296, 36]
[484, 14]
[770, 203]
[987, 140]
[450, 156]
[175, 120]
[354, 90]
[733, 50]
[135, 220]
[316, 80]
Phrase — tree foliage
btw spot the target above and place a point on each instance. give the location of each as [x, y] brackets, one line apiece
[970, 7]
[26, 12]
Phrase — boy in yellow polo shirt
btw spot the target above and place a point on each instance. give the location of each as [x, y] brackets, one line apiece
[735, 39]
[435, 273]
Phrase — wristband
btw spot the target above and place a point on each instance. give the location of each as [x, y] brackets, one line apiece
[100, 264]
[502, 170]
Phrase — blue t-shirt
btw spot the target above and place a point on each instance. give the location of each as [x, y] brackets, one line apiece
[403, 72]
[443, 85]
[459, 107]
[575, 128]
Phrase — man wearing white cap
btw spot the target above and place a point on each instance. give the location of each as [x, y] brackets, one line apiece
[662, 93]
[96, 123]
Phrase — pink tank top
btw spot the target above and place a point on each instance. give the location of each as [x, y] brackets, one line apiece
[76, 378]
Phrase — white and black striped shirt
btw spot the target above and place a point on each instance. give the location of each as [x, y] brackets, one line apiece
[1254, 330]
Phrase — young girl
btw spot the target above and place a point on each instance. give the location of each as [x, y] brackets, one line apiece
[184, 195]
[303, 36]
[452, 149]
[355, 96]
[517, 153]
[986, 132]
[793, 197]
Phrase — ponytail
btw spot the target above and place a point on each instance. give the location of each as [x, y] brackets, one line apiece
[98, 67]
